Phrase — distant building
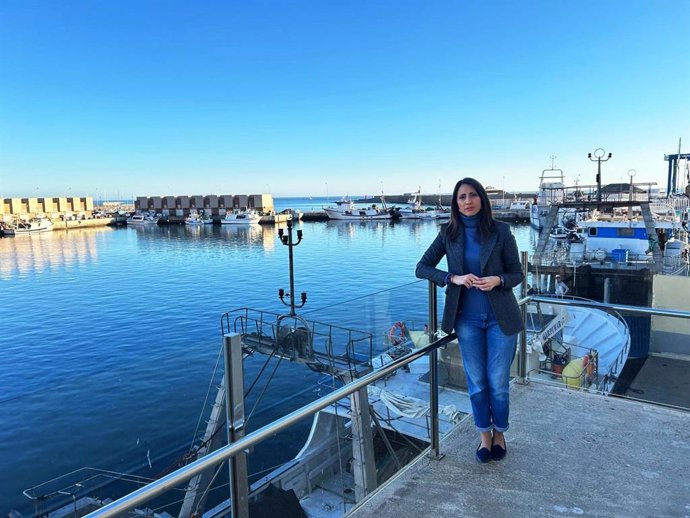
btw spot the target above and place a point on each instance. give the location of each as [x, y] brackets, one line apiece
[210, 204]
[51, 208]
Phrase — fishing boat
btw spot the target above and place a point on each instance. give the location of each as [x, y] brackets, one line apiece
[580, 347]
[552, 192]
[27, 227]
[294, 214]
[618, 239]
[346, 209]
[195, 218]
[241, 217]
[570, 233]
[143, 218]
[414, 209]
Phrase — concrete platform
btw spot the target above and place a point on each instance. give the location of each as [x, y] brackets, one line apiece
[663, 379]
[569, 454]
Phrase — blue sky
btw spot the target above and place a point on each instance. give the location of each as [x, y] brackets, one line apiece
[118, 98]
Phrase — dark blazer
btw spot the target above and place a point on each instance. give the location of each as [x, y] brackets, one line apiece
[498, 255]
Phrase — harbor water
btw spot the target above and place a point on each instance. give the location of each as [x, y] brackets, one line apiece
[110, 335]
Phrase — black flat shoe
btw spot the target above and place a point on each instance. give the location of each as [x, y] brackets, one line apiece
[483, 454]
[497, 452]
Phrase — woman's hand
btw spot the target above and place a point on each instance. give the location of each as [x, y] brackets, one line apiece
[468, 281]
[487, 283]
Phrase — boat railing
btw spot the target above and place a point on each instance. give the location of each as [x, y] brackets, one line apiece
[591, 376]
[240, 445]
[324, 347]
[621, 310]
[72, 485]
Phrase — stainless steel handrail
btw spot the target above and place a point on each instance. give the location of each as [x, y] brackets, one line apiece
[224, 453]
[621, 308]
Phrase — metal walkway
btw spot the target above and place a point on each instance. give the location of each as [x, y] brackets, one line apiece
[569, 454]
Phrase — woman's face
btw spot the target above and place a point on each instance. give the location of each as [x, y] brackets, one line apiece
[468, 200]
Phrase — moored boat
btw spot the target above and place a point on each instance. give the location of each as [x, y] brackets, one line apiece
[414, 209]
[143, 218]
[580, 347]
[241, 217]
[196, 218]
[28, 227]
[346, 209]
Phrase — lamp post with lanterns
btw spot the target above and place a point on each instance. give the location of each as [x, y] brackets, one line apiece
[287, 241]
[599, 154]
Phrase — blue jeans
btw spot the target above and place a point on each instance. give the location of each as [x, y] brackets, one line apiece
[487, 354]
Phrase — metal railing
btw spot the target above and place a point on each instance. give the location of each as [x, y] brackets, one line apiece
[244, 443]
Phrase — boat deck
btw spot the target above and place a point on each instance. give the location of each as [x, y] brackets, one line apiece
[569, 453]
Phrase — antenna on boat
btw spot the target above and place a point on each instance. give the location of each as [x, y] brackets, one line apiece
[287, 241]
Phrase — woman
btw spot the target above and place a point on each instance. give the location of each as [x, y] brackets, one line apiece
[483, 268]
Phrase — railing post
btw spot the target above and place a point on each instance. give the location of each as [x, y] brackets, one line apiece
[522, 358]
[433, 375]
[234, 408]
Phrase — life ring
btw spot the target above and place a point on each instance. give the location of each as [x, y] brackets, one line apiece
[397, 333]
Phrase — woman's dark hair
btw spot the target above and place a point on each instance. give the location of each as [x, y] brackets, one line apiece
[486, 219]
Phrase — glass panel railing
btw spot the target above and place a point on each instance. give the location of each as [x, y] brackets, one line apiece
[333, 457]
[337, 400]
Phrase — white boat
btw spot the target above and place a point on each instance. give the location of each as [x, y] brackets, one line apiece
[561, 233]
[195, 218]
[552, 191]
[241, 217]
[580, 347]
[414, 209]
[624, 237]
[346, 209]
[295, 214]
[143, 218]
[27, 227]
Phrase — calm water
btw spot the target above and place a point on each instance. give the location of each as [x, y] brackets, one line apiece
[109, 336]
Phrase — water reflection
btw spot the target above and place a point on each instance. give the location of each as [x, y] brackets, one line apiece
[37, 253]
[252, 235]
[262, 236]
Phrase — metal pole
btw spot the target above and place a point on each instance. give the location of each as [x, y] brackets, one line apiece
[522, 358]
[292, 274]
[434, 453]
[234, 408]
[598, 180]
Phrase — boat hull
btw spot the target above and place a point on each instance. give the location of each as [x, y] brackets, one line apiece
[358, 215]
[32, 227]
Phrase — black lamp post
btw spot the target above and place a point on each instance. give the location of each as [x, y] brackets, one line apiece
[287, 241]
[598, 158]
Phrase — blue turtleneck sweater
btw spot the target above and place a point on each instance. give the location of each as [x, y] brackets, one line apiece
[474, 302]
